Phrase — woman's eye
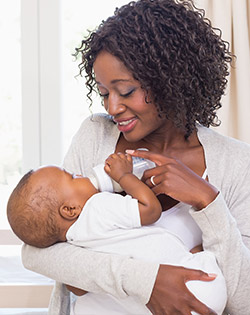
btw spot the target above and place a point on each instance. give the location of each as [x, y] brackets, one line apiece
[128, 94]
[106, 95]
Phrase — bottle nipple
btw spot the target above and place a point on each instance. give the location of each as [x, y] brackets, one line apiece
[94, 181]
[104, 181]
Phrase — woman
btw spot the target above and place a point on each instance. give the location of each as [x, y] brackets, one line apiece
[161, 71]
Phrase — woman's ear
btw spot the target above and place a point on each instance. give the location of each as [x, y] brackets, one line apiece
[70, 212]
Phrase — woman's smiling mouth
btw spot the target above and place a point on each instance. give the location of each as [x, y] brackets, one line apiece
[126, 125]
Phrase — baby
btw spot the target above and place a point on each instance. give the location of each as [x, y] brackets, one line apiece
[50, 205]
[48, 201]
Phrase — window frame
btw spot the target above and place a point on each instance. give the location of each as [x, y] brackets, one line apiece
[41, 82]
[41, 86]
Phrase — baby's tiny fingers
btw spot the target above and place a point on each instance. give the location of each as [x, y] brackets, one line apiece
[122, 156]
[107, 168]
[112, 156]
[108, 160]
[129, 157]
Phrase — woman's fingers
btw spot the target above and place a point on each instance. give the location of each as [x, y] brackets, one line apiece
[193, 274]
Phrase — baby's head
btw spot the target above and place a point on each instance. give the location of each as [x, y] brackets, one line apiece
[45, 203]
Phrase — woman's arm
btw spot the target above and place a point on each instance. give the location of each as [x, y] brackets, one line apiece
[222, 236]
[225, 225]
[117, 275]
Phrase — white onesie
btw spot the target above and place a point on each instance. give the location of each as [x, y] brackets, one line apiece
[111, 223]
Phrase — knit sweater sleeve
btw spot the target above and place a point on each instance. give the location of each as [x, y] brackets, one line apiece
[120, 276]
[225, 223]
[81, 268]
[222, 237]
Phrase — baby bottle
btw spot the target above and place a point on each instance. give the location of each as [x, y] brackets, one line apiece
[103, 182]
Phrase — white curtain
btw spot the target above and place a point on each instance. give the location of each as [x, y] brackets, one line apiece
[233, 18]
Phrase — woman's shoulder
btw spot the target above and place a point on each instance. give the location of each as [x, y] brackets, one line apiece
[221, 144]
[96, 126]
[97, 121]
[93, 142]
[226, 157]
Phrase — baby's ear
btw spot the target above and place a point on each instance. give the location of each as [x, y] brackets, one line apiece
[69, 212]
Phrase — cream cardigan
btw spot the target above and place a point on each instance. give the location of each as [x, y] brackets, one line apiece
[225, 225]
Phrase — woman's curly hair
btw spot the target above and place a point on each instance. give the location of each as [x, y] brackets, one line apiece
[172, 50]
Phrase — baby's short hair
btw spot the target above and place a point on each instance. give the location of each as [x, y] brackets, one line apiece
[31, 214]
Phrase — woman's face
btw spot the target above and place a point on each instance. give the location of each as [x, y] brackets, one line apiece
[124, 99]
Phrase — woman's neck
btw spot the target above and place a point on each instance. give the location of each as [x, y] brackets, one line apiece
[166, 140]
[172, 143]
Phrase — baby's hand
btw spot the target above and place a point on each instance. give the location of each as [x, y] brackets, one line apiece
[118, 164]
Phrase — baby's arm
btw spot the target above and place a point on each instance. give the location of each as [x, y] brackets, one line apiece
[120, 167]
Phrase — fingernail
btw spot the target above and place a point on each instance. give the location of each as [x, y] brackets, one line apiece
[212, 275]
[130, 151]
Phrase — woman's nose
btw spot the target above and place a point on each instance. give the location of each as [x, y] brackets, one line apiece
[114, 106]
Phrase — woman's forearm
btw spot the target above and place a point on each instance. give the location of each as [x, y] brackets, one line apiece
[91, 271]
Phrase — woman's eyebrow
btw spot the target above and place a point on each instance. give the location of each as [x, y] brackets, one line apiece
[120, 80]
[115, 81]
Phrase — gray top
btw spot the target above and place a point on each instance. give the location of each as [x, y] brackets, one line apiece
[225, 225]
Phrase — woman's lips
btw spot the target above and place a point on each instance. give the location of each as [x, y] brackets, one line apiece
[126, 125]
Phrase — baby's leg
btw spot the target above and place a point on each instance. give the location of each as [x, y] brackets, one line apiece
[212, 293]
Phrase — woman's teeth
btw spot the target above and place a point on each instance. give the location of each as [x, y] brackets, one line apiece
[125, 123]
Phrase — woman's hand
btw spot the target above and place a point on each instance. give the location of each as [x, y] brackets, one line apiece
[171, 177]
[170, 294]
